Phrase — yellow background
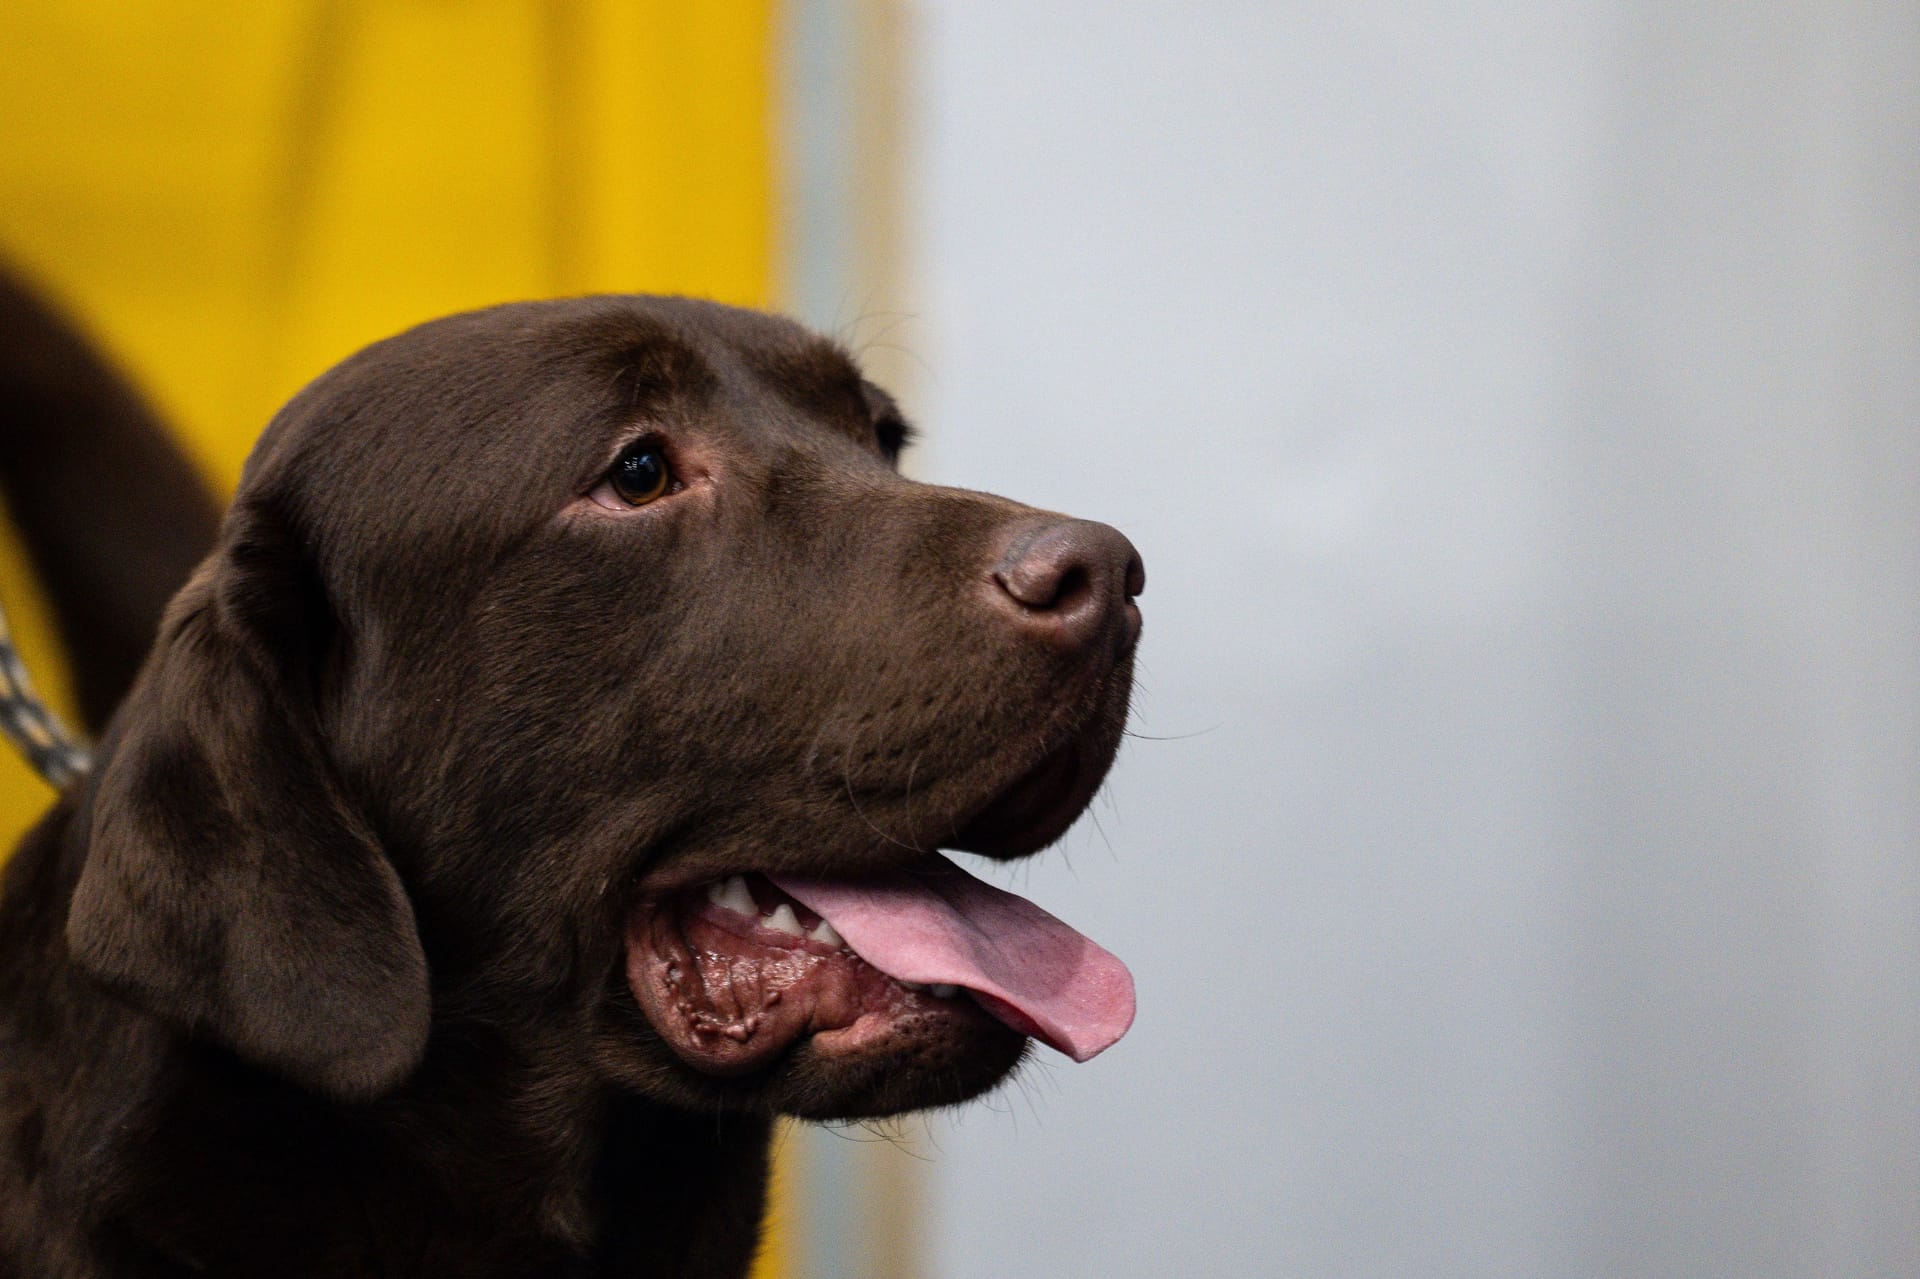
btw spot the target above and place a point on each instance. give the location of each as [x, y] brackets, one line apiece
[233, 194]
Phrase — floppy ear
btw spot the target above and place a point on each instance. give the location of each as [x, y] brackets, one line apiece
[228, 885]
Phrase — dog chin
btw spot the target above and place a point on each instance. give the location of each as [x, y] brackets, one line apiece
[1036, 808]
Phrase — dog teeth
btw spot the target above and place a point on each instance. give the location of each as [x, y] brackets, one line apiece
[823, 932]
[731, 894]
[783, 920]
[939, 989]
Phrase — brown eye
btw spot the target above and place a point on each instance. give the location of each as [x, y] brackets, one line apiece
[640, 475]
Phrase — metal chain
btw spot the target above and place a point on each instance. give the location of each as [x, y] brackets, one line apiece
[54, 753]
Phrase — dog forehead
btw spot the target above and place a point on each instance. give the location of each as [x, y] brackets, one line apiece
[695, 348]
[526, 373]
[771, 356]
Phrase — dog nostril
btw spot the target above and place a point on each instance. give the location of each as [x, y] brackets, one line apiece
[1045, 571]
[1074, 581]
[1031, 580]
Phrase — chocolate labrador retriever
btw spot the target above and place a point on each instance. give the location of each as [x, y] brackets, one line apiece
[531, 797]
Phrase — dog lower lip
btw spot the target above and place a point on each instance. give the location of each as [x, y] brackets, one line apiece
[1035, 810]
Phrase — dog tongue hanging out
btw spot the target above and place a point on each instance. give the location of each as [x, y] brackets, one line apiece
[534, 794]
[938, 925]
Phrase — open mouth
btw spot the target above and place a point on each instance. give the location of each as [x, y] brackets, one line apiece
[738, 972]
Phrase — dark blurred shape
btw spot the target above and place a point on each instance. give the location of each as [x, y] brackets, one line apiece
[112, 513]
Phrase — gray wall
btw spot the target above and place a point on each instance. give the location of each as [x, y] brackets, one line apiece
[1519, 410]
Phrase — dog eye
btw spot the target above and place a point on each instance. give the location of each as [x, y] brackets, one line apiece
[640, 475]
[892, 434]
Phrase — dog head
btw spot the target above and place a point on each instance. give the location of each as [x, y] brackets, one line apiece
[554, 658]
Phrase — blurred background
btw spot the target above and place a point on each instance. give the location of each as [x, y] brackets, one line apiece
[1517, 406]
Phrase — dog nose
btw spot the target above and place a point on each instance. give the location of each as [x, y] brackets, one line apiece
[1073, 582]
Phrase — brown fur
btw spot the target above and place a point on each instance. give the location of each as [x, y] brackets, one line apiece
[320, 971]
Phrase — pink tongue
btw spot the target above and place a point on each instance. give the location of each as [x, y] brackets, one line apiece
[936, 923]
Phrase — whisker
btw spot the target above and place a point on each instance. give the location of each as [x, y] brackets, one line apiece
[1172, 737]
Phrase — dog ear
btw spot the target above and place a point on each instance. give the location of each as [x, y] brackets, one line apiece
[228, 884]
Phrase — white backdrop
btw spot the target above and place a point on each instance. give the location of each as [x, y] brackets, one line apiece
[1518, 407]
